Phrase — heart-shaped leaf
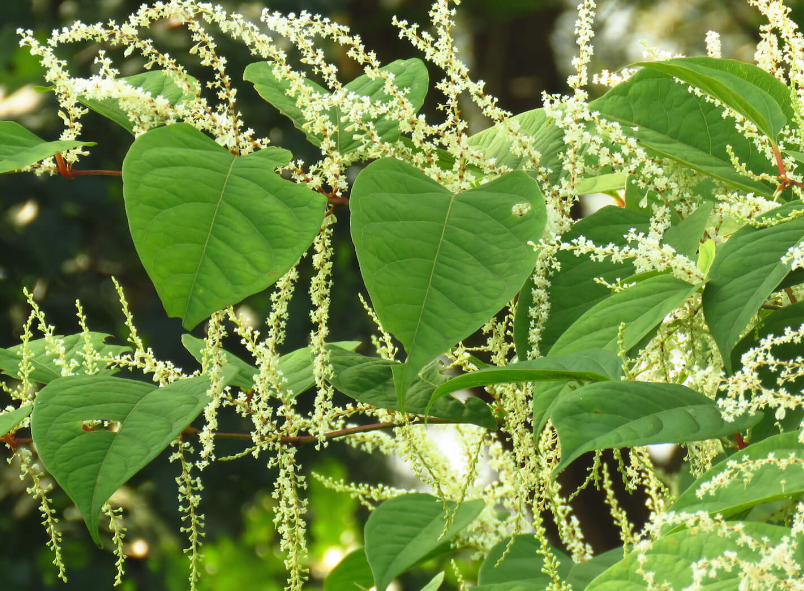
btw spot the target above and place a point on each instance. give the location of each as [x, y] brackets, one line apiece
[212, 228]
[606, 415]
[20, 148]
[91, 465]
[438, 265]
[406, 528]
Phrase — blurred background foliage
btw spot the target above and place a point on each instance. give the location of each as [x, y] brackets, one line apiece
[64, 239]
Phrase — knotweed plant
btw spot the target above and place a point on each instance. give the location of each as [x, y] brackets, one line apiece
[672, 315]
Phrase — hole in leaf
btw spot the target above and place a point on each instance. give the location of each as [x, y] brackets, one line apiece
[100, 425]
[520, 209]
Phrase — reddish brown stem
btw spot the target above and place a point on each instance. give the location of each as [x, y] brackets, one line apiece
[67, 171]
[741, 444]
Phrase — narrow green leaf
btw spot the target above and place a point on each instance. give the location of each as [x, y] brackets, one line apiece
[438, 265]
[673, 559]
[156, 83]
[522, 563]
[91, 465]
[746, 270]
[641, 307]
[668, 121]
[746, 88]
[9, 420]
[352, 573]
[43, 361]
[212, 228]
[604, 183]
[404, 529]
[758, 482]
[435, 582]
[296, 367]
[409, 74]
[573, 289]
[370, 380]
[545, 369]
[20, 148]
[608, 415]
[706, 256]
[685, 236]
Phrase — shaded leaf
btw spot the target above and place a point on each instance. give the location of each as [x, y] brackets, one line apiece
[20, 148]
[404, 529]
[522, 563]
[685, 236]
[746, 270]
[370, 380]
[212, 228]
[608, 415]
[91, 465]
[437, 265]
[351, 573]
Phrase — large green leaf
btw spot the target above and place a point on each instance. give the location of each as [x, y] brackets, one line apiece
[404, 529]
[641, 307]
[156, 83]
[671, 559]
[212, 228]
[671, 122]
[20, 148]
[573, 289]
[12, 418]
[745, 88]
[746, 270]
[607, 415]
[91, 465]
[42, 361]
[296, 367]
[409, 74]
[760, 481]
[544, 369]
[547, 138]
[371, 380]
[547, 394]
[352, 573]
[438, 265]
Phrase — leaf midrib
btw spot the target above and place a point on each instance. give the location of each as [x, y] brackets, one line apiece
[209, 235]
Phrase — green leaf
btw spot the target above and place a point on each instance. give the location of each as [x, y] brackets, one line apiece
[20, 148]
[745, 88]
[668, 121]
[545, 369]
[583, 573]
[410, 74]
[9, 420]
[760, 481]
[522, 563]
[673, 559]
[608, 415]
[297, 366]
[404, 529]
[573, 289]
[547, 394]
[91, 465]
[351, 573]
[438, 265]
[370, 380]
[43, 361]
[212, 228]
[604, 183]
[706, 256]
[547, 138]
[746, 270]
[685, 236]
[156, 83]
[641, 307]
[435, 582]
